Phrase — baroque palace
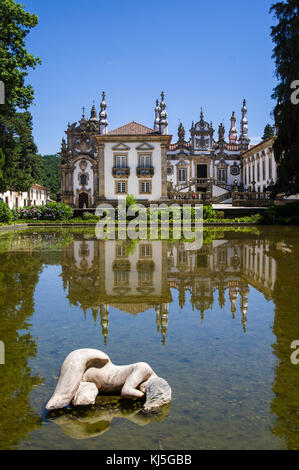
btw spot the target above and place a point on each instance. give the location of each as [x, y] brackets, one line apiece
[98, 165]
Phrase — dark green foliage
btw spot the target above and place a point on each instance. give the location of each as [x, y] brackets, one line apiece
[285, 215]
[21, 166]
[2, 162]
[285, 35]
[268, 132]
[50, 174]
[5, 213]
[15, 61]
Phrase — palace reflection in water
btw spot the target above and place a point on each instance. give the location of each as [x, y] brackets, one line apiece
[233, 270]
[136, 277]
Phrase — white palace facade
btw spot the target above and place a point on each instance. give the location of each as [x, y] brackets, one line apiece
[101, 165]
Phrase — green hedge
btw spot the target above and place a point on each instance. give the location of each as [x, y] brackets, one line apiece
[6, 214]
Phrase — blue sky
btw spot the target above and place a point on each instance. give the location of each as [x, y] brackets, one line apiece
[201, 53]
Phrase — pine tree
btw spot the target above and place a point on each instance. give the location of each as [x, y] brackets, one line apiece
[285, 35]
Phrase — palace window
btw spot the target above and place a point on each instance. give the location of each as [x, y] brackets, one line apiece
[145, 187]
[121, 277]
[201, 261]
[120, 251]
[245, 175]
[145, 251]
[121, 187]
[145, 278]
[182, 175]
[145, 161]
[222, 257]
[264, 170]
[222, 175]
[83, 179]
[270, 168]
[182, 257]
[258, 170]
[120, 161]
[169, 170]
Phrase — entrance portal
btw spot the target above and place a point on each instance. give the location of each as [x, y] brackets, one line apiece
[202, 171]
[83, 200]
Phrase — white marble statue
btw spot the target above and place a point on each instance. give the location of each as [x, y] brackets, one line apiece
[85, 372]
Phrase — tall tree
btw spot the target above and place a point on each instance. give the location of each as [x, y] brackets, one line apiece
[21, 162]
[285, 35]
[268, 132]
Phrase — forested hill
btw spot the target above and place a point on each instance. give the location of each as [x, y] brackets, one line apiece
[50, 174]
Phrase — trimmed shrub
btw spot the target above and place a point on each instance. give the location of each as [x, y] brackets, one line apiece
[130, 200]
[6, 214]
[90, 217]
[51, 211]
[209, 213]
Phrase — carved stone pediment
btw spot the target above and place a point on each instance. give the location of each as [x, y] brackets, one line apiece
[83, 145]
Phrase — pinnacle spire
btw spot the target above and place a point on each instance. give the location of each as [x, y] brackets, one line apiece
[163, 116]
[244, 139]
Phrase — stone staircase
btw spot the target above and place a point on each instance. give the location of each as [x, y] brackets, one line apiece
[222, 197]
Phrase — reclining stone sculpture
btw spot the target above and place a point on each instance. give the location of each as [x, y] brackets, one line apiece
[86, 372]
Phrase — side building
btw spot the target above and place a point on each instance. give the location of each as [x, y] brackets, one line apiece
[37, 196]
[259, 169]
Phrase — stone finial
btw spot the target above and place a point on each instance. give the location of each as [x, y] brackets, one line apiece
[157, 117]
[103, 122]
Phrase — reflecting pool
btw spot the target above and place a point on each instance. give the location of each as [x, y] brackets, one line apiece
[215, 320]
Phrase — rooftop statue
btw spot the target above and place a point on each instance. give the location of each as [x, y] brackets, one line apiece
[85, 372]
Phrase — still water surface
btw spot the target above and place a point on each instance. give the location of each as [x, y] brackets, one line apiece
[215, 321]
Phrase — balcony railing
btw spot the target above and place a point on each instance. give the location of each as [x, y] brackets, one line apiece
[120, 171]
[145, 171]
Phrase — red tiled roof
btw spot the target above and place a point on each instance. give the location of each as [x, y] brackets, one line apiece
[132, 128]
